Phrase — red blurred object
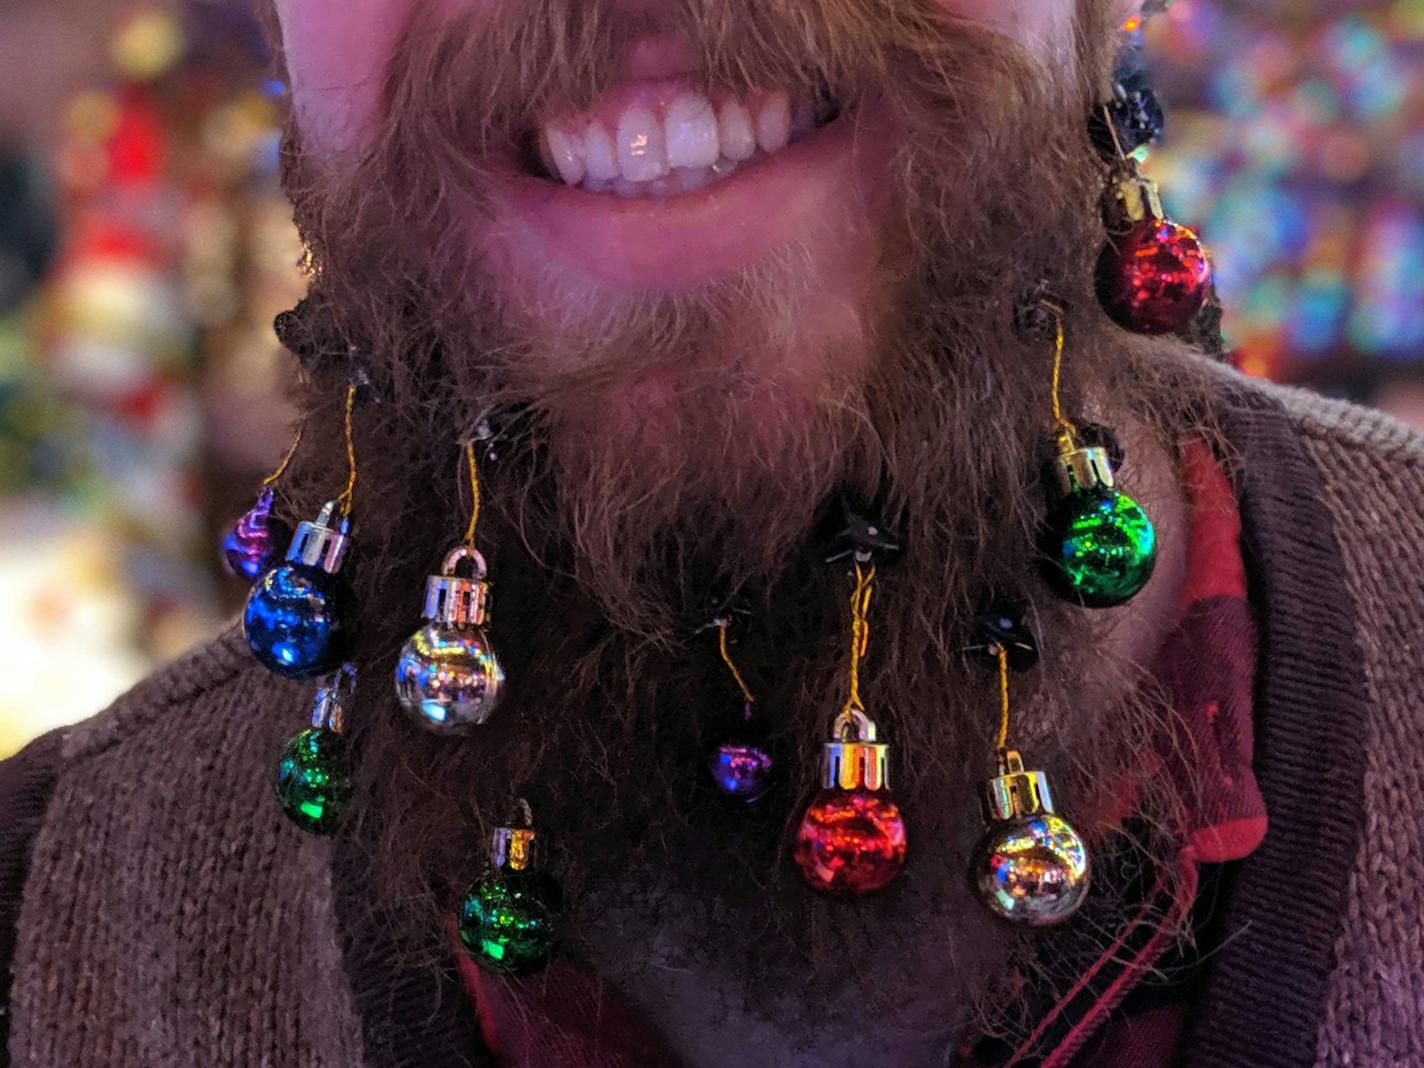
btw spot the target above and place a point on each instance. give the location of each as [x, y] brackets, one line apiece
[851, 841]
[1154, 278]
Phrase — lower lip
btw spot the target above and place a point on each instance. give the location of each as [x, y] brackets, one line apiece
[688, 240]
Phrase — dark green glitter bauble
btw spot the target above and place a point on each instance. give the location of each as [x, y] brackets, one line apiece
[313, 780]
[509, 920]
[1101, 547]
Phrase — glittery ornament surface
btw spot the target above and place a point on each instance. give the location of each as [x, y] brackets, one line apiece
[299, 621]
[313, 780]
[851, 842]
[1032, 871]
[257, 540]
[1154, 279]
[1101, 547]
[509, 920]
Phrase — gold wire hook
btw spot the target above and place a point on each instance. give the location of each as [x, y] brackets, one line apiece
[722, 625]
[287, 459]
[470, 462]
[1003, 655]
[344, 500]
[1061, 422]
[859, 634]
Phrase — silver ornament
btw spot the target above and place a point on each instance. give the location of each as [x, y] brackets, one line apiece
[1031, 866]
[448, 678]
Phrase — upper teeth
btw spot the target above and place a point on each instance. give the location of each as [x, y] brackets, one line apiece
[650, 150]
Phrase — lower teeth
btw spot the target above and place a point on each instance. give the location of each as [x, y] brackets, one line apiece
[679, 180]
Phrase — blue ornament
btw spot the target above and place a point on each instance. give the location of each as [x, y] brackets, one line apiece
[300, 618]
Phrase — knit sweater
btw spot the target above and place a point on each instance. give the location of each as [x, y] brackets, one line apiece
[154, 912]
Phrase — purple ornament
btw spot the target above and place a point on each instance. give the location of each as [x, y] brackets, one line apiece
[741, 771]
[257, 540]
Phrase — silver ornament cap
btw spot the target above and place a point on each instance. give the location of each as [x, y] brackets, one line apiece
[322, 542]
[853, 759]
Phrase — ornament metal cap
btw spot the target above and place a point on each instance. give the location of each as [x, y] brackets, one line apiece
[1014, 793]
[322, 542]
[1081, 467]
[454, 599]
[1132, 199]
[512, 848]
[853, 759]
[328, 710]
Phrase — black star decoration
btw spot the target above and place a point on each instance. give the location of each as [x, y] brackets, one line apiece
[862, 539]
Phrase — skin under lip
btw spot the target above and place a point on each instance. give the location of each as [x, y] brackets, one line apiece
[691, 239]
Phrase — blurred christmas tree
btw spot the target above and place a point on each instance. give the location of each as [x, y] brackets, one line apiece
[1295, 142]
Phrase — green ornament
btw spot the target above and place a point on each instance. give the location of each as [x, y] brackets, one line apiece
[509, 918]
[1100, 546]
[313, 780]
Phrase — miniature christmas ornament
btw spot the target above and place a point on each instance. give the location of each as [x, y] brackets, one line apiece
[447, 676]
[313, 780]
[300, 618]
[509, 918]
[1030, 866]
[740, 759]
[1099, 546]
[256, 540]
[852, 837]
[1154, 275]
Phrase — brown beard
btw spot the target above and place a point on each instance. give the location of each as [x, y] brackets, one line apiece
[609, 537]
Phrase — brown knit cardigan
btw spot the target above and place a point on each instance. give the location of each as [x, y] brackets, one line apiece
[154, 913]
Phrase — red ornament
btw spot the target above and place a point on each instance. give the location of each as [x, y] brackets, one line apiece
[852, 837]
[1154, 278]
[851, 842]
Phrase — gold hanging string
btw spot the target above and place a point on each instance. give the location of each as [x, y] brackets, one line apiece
[722, 625]
[859, 633]
[1063, 424]
[1003, 698]
[287, 459]
[1112, 132]
[470, 462]
[345, 499]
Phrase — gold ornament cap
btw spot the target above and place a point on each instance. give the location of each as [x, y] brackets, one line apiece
[1081, 467]
[455, 600]
[853, 759]
[1015, 794]
[512, 848]
[1132, 199]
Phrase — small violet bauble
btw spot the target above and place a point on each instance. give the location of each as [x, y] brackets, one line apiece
[256, 540]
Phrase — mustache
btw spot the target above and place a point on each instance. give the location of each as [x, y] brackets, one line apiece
[479, 80]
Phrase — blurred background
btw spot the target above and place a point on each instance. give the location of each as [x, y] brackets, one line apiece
[145, 248]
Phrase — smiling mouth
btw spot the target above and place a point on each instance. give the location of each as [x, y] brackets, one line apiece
[661, 139]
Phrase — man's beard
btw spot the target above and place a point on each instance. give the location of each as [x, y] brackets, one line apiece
[664, 452]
